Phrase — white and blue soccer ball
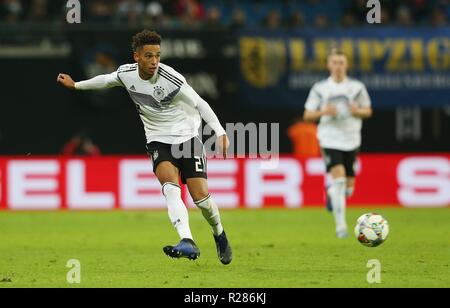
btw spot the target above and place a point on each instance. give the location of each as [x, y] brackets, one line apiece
[371, 229]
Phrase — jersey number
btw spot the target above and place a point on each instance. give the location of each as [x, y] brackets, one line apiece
[200, 164]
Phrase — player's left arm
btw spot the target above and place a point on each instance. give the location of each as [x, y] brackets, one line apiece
[361, 107]
[207, 114]
[361, 112]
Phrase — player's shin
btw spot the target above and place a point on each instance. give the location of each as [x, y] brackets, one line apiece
[337, 193]
[211, 213]
[178, 212]
[349, 192]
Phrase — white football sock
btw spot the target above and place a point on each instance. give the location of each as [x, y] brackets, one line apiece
[349, 192]
[328, 180]
[211, 213]
[337, 195]
[178, 212]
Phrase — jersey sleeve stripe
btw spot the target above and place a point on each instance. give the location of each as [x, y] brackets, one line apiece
[126, 71]
[318, 94]
[358, 94]
[178, 84]
[118, 77]
[167, 76]
[171, 75]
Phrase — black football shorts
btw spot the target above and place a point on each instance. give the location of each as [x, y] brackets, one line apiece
[189, 157]
[334, 157]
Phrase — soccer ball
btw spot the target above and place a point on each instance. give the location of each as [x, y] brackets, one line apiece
[371, 229]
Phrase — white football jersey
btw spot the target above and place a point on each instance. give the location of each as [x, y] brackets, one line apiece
[169, 108]
[342, 132]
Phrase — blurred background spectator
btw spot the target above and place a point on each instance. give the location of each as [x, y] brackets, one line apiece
[272, 20]
[213, 18]
[238, 19]
[81, 144]
[232, 13]
[296, 19]
[303, 136]
[130, 11]
[11, 10]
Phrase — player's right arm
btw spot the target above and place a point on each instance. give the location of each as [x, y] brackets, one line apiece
[97, 83]
[313, 110]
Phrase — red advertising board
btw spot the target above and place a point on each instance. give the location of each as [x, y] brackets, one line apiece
[106, 183]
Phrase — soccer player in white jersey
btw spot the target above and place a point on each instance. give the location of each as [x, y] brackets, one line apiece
[340, 104]
[172, 113]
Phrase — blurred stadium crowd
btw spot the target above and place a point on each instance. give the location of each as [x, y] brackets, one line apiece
[212, 14]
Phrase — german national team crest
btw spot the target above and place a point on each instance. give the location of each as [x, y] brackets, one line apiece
[159, 93]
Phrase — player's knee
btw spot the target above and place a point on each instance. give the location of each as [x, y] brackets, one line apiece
[204, 203]
[166, 173]
[199, 194]
[170, 189]
[338, 171]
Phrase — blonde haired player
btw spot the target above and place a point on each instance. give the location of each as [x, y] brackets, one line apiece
[340, 104]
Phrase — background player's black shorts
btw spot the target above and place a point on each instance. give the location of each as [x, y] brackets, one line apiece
[189, 157]
[334, 157]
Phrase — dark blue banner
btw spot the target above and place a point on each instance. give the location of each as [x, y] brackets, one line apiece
[400, 67]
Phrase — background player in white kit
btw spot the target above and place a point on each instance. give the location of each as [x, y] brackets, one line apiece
[172, 113]
[340, 103]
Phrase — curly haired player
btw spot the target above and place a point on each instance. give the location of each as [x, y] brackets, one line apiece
[172, 114]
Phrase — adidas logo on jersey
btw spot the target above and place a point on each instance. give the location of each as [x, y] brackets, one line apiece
[133, 88]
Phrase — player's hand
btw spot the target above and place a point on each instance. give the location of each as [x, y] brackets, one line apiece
[223, 143]
[354, 108]
[66, 81]
[329, 110]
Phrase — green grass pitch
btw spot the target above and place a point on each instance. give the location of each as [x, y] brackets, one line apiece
[272, 248]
